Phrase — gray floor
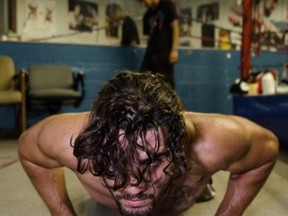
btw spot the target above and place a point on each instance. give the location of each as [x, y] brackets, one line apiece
[17, 196]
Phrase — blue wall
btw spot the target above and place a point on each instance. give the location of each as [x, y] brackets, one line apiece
[202, 77]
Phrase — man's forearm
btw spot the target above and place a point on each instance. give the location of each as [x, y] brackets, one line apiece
[175, 35]
[173, 58]
[242, 189]
[50, 184]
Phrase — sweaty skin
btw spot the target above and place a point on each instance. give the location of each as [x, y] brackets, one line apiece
[214, 142]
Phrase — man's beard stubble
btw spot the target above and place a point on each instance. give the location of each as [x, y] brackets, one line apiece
[146, 211]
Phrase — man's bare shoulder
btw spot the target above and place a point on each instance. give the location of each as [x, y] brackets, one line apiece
[51, 138]
[70, 123]
[218, 125]
[218, 140]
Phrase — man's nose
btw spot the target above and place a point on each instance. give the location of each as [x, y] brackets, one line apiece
[136, 182]
[135, 187]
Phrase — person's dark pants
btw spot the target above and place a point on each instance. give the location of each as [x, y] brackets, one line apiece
[159, 63]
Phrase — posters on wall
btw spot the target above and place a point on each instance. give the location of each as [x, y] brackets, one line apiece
[87, 19]
[84, 17]
[270, 24]
[206, 14]
[39, 20]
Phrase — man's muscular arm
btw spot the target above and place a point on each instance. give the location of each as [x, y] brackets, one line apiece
[175, 40]
[44, 171]
[249, 173]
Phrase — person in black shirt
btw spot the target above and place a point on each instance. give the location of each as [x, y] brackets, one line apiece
[116, 14]
[160, 24]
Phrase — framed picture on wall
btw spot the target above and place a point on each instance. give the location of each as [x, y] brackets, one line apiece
[208, 35]
[39, 19]
[208, 12]
[83, 15]
[185, 21]
[224, 41]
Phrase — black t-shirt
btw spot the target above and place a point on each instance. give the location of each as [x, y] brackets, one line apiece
[157, 24]
[146, 24]
[129, 32]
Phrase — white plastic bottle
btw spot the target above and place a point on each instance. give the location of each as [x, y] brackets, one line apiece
[268, 84]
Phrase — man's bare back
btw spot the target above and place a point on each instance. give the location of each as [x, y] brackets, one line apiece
[138, 153]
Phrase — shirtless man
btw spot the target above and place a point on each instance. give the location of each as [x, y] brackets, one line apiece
[140, 154]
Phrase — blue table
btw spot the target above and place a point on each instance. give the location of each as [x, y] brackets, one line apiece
[269, 111]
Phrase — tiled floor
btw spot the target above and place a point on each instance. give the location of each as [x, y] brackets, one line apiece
[18, 197]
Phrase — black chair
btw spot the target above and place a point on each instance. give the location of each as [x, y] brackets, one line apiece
[51, 86]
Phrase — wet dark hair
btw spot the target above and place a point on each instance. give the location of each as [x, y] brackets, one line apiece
[132, 104]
